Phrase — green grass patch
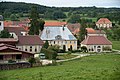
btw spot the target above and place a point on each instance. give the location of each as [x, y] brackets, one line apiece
[98, 67]
[65, 56]
[116, 45]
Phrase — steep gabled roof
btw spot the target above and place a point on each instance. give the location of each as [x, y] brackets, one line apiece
[29, 40]
[96, 40]
[103, 21]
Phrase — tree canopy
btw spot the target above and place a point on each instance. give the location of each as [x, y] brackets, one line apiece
[37, 24]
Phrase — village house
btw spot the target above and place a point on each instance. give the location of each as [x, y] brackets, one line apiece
[30, 43]
[104, 23]
[97, 44]
[93, 32]
[59, 35]
[74, 28]
[9, 52]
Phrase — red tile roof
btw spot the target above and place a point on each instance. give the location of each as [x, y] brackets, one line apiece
[6, 47]
[103, 21]
[96, 40]
[74, 28]
[92, 31]
[30, 40]
[54, 23]
[16, 30]
[4, 40]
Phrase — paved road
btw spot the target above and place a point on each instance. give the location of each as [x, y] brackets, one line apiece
[79, 56]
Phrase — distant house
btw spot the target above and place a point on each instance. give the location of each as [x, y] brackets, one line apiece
[30, 43]
[92, 32]
[97, 44]
[59, 36]
[104, 23]
[74, 28]
[17, 30]
[9, 52]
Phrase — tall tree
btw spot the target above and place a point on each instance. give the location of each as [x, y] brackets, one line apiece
[75, 18]
[83, 31]
[37, 24]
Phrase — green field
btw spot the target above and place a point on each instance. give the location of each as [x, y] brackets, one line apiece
[98, 67]
[116, 45]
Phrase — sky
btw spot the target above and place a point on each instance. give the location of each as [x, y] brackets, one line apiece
[73, 3]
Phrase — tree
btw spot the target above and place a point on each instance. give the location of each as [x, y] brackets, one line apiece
[116, 34]
[54, 48]
[32, 61]
[58, 15]
[5, 34]
[84, 49]
[13, 17]
[36, 23]
[46, 45]
[75, 18]
[83, 32]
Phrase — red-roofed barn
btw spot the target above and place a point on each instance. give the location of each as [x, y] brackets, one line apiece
[97, 44]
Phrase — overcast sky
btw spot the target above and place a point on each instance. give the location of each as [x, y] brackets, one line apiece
[73, 3]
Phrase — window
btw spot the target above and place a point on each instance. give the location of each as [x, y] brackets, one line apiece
[58, 42]
[1, 57]
[66, 42]
[70, 41]
[98, 47]
[30, 48]
[25, 49]
[35, 50]
[19, 56]
[74, 42]
[54, 42]
[0, 23]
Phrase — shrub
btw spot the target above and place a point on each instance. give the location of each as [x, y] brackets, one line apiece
[11, 61]
[32, 61]
[49, 54]
[84, 49]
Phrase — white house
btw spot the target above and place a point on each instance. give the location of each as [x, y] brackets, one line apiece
[30, 43]
[1, 23]
[104, 23]
[97, 44]
[58, 35]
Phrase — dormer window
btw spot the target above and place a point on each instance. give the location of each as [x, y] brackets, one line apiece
[58, 37]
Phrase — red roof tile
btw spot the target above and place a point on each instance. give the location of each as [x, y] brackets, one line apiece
[90, 30]
[2, 40]
[6, 47]
[103, 21]
[54, 23]
[74, 28]
[16, 30]
[30, 40]
[96, 40]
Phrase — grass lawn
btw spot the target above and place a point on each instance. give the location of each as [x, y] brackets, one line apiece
[116, 45]
[65, 56]
[98, 67]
